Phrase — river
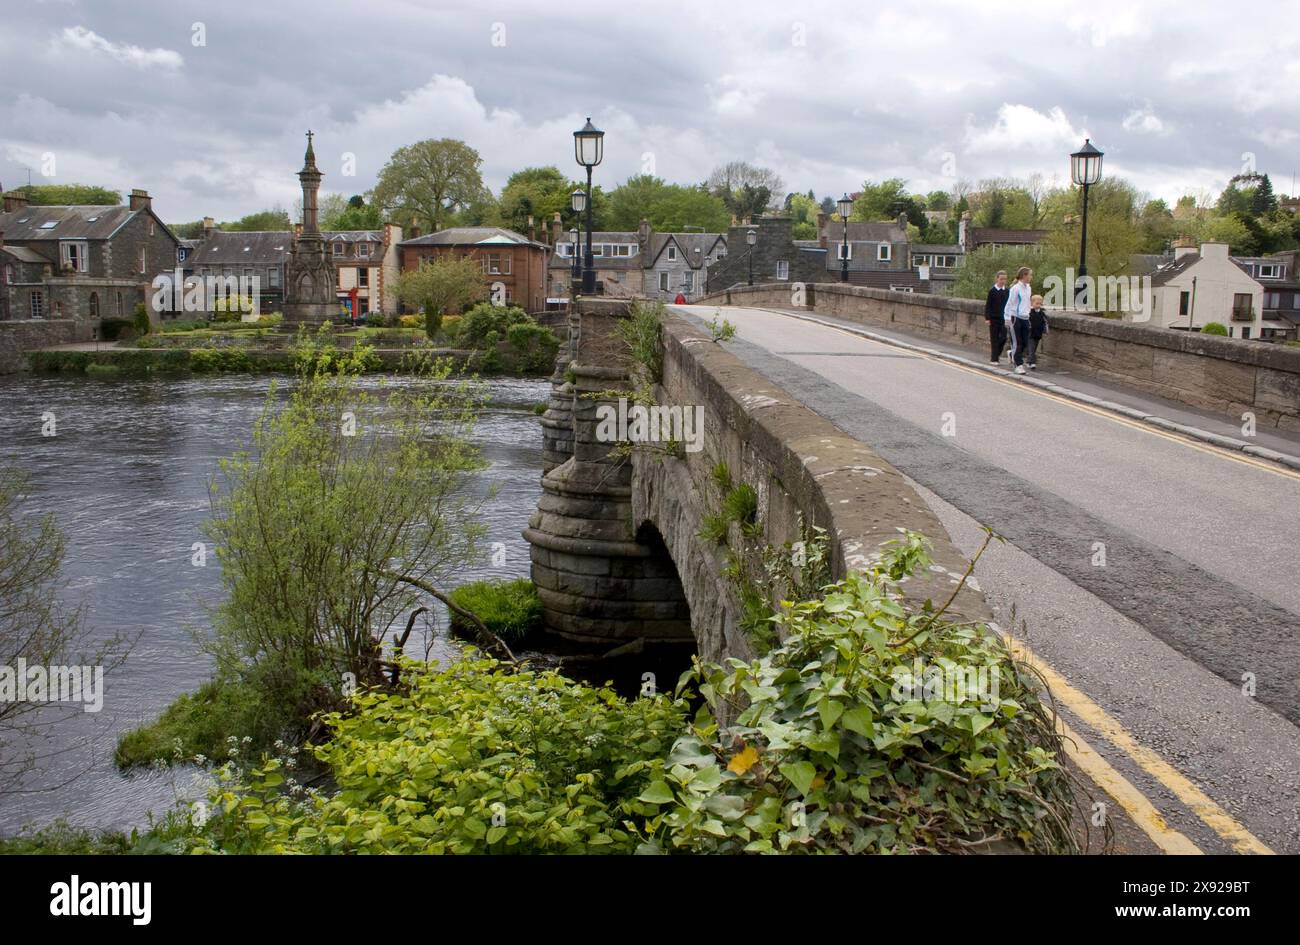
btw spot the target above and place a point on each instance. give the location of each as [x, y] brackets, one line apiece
[126, 476]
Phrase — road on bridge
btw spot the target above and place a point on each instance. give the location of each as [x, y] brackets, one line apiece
[1153, 575]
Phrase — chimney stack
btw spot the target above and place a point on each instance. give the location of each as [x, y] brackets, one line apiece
[643, 236]
[14, 202]
[140, 200]
[902, 221]
[557, 228]
[209, 225]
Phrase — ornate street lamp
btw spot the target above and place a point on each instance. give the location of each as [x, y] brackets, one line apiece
[588, 150]
[751, 237]
[845, 206]
[1085, 170]
[578, 201]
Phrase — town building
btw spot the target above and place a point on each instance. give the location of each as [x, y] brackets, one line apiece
[879, 254]
[82, 262]
[1277, 273]
[638, 264]
[1207, 285]
[510, 261]
[776, 256]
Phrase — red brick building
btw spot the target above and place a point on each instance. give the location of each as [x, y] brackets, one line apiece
[508, 259]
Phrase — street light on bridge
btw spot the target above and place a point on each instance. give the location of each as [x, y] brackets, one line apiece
[845, 206]
[751, 237]
[578, 201]
[1085, 170]
[588, 150]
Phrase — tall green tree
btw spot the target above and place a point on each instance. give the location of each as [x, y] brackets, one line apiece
[745, 190]
[668, 207]
[426, 183]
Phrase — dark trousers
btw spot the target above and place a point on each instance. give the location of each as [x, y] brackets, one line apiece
[1031, 353]
[1020, 326]
[997, 337]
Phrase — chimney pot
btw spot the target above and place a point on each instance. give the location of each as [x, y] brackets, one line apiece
[13, 201]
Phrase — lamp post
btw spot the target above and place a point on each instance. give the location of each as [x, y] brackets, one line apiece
[751, 237]
[1085, 170]
[845, 206]
[588, 150]
[578, 201]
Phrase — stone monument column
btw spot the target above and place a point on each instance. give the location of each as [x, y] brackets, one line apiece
[310, 279]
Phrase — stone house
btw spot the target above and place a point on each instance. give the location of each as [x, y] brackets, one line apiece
[367, 261]
[510, 260]
[94, 261]
[639, 264]
[775, 256]
[261, 255]
[1203, 286]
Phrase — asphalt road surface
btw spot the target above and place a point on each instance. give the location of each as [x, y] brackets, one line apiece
[1155, 574]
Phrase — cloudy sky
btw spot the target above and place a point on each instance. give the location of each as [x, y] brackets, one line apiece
[205, 104]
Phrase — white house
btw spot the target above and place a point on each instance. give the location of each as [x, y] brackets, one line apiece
[1203, 286]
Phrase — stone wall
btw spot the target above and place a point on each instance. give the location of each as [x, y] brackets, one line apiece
[19, 337]
[615, 544]
[1229, 376]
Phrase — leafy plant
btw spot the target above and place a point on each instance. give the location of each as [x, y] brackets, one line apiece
[1214, 328]
[140, 320]
[473, 758]
[723, 331]
[822, 745]
[640, 331]
[713, 529]
[740, 505]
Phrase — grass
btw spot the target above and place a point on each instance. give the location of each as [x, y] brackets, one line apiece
[510, 609]
[198, 723]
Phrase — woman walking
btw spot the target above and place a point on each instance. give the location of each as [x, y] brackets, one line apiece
[1019, 302]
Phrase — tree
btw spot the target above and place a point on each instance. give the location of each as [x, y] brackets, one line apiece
[427, 182]
[981, 266]
[328, 530]
[669, 208]
[38, 627]
[744, 189]
[1264, 201]
[62, 195]
[274, 219]
[938, 200]
[803, 213]
[442, 286]
[538, 193]
[356, 214]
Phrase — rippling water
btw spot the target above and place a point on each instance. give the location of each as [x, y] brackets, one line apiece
[126, 477]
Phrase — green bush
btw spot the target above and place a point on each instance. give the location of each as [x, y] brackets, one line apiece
[640, 331]
[432, 320]
[480, 323]
[510, 609]
[103, 370]
[740, 505]
[476, 758]
[533, 347]
[857, 735]
[140, 320]
[374, 320]
[1214, 328]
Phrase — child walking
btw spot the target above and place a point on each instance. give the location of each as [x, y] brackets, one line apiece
[1037, 328]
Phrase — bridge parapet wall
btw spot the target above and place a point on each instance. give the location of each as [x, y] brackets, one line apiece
[1225, 375]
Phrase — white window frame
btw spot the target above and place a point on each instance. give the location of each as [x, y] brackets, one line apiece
[672, 254]
[1274, 271]
[144, 261]
[37, 303]
[884, 252]
[82, 251]
[688, 281]
[273, 277]
[363, 277]
[839, 251]
[783, 270]
[360, 248]
[620, 249]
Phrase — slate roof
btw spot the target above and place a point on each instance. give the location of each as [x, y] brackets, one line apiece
[472, 236]
[73, 222]
[886, 232]
[1174, 269]
[23, 254]
[694, 248]
[984, 234]
[235, 248]
[354, 236]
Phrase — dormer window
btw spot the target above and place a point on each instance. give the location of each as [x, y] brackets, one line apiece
[48, 224]
[340, 249]
[843, 252]
[363, 249]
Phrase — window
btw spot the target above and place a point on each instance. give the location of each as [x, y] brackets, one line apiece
[663, 281]
[496, 264]
[1245, 331]
[151, 229]
[182, 253]
[38, 305]
[363, 277]
[94, 305]
[9, 275]
[120, 309]
[901, 288]
[340, 248]
[690, 282]
[273, 277]
[842, 251]
[884, 252]
[672, 253]
[1241, 305]
[47, 225]
[782, 269]
[1184, 302]
[1270, 271]
[74, 256]
[143, 260]
[1272, 299]
[363, 250]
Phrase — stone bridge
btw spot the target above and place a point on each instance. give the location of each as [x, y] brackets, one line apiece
[617, 552]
